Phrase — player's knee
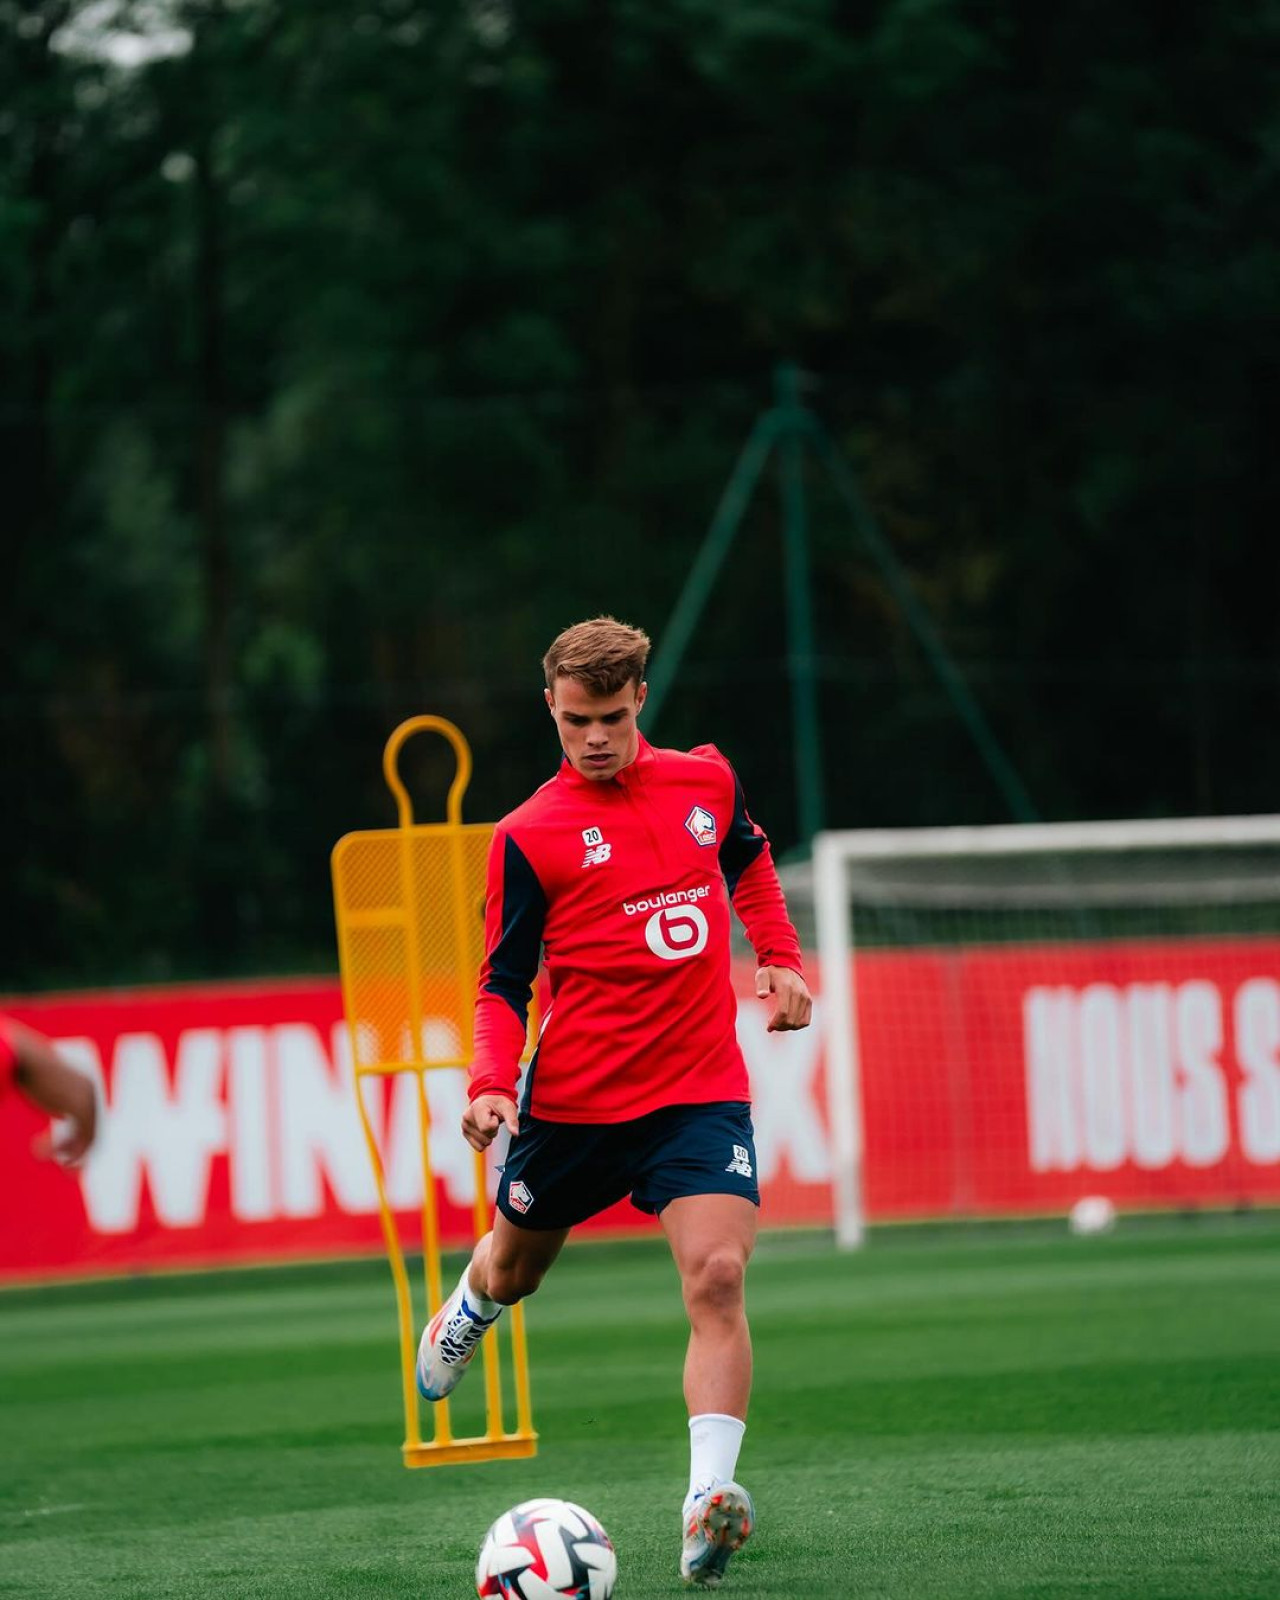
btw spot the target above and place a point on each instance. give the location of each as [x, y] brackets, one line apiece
[510, 1281]
[715, 1283]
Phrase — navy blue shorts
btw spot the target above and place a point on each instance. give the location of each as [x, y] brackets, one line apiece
[558, 1174]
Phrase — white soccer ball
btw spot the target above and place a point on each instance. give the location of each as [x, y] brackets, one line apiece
[546, 1550]
[1092, 1214]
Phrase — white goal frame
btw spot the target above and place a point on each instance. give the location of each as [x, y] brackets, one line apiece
[833, 851]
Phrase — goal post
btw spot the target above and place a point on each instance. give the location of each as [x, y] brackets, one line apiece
[1017, 1016]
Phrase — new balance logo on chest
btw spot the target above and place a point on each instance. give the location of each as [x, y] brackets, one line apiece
[597, 849]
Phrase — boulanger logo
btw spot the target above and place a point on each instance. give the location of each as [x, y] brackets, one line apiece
[670, 897]
[676, 932]
[676, 927]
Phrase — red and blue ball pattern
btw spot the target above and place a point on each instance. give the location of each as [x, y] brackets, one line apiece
[546, 1550]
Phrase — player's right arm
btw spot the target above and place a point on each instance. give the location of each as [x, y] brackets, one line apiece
[485, 1115]
[515, 913]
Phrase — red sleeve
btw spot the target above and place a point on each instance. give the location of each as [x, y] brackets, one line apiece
[8, 1056]
[747, 863]
[759, 902]
[515, 911]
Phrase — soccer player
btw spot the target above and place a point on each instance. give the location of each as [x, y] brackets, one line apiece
[29, 1061]
[621, 871]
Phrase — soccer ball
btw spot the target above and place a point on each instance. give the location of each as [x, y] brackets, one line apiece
[546, 1550]
[1093, 1214]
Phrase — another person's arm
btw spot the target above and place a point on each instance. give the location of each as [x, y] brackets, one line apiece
[50, 1083]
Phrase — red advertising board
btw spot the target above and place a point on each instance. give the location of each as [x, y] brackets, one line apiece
[1018, 1079]
[994, 1081]
[230, 1134]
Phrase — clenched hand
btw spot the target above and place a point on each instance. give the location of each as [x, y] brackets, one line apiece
[794, 1003]
[485, 1115]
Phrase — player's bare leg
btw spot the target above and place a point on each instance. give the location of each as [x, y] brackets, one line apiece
[506, 1265]
[711, 1238]
[509, 1262]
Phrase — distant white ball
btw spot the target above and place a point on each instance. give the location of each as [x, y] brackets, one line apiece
[546, 1550]
[1092, 1214]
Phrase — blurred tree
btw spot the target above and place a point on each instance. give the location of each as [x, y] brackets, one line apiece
[348, 352]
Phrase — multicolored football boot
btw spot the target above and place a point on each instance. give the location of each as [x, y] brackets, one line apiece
[717, 1524]
[451, 1339]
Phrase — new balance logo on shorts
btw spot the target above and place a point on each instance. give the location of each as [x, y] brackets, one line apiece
[741, 1163]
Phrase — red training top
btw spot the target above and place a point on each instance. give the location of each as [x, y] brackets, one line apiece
[625, 885]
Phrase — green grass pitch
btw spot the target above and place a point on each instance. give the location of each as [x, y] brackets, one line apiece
[996, 1412]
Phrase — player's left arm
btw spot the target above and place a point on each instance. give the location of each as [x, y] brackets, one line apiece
[756, 894]
[794, 1007]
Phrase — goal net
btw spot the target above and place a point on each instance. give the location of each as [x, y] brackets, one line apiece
[1018, 1017]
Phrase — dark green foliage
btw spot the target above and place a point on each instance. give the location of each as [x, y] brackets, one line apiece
[996, 1413]
[350, 352]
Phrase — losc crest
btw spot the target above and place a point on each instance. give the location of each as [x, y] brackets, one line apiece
[702, 825]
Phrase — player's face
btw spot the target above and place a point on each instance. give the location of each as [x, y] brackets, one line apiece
[598, 733]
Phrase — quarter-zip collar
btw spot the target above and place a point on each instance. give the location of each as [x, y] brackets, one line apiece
[635, 772]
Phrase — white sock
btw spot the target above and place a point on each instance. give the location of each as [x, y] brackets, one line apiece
[481, 1304]
[714, 1442]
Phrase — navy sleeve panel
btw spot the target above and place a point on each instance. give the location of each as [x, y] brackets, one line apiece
[512, 964]
[743, 842]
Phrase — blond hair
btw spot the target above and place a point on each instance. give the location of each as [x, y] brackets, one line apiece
[603, 655]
